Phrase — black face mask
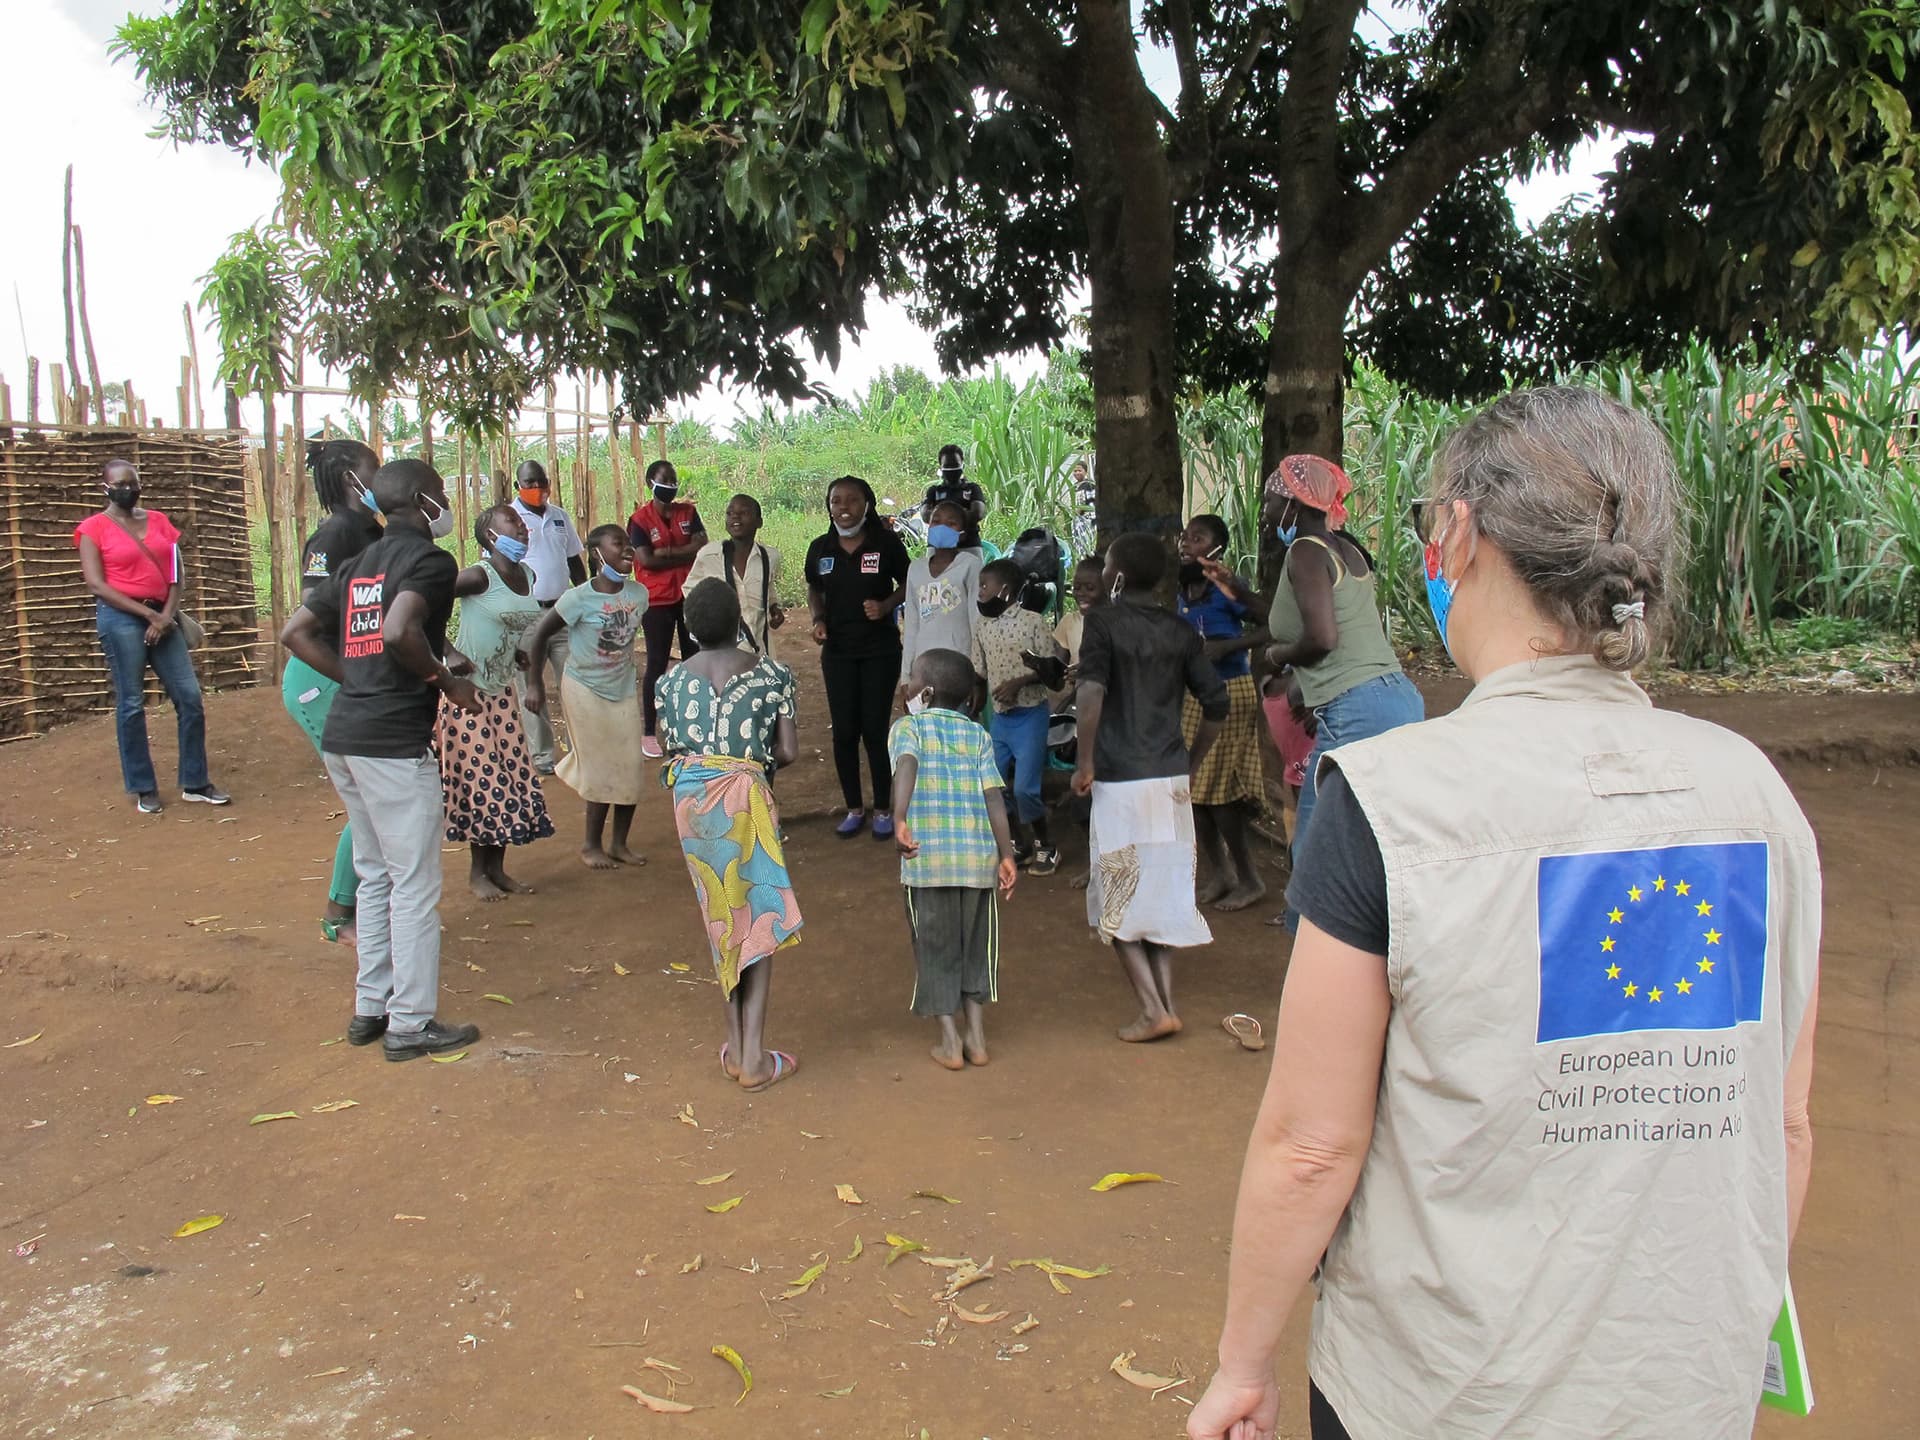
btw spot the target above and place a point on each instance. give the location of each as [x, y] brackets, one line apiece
[125, 496]
[1192, 572]
[993, 609]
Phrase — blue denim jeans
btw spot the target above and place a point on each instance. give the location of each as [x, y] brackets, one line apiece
[1370, 708]
[1020, 750]
[123, 638]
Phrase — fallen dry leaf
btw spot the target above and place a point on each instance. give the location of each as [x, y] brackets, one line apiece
[685, 1117]
[323, 1374]
[665, 1367]
[1119, 1178]
[676, 965]
[732, 1357]
[715, 1179]
[980, 1317]
[410, 1217]
[848, 1195]
[277, 1115]
[336, 1040]
[968, 1274]
[16, 1044]
[620, 969]
[901, 1246]
[935, 1195]
[692, 1265]
[334, 1106]
[805, 1282]
[945, 1262]
[807, 1133]
[1146, 1380]
[498, 999]
[477, 969]
[859, 1248]
[1025, 1325]
[163, 1099]
[209, 919]
[895, 1301]
[199, 1225]
[1052, 1267]
[448, 1059]
[839, 1394]
[655, 1403]
[725, 1205]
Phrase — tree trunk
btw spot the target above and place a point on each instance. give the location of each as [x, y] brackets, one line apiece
[1126, 198]
[1306, 362]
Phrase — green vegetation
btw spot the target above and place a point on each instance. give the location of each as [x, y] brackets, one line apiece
[1804, 498]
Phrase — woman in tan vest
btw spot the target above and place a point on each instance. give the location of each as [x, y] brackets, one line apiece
[1538, 1108]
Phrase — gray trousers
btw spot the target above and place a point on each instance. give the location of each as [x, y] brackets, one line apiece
[395, 809]
[539, 727]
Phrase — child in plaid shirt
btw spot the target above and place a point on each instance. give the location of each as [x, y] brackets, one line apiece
[956, 851]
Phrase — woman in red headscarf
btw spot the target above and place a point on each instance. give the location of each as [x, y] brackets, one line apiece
[1326, 623]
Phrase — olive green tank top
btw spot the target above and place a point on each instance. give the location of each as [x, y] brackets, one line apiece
[1362, 652]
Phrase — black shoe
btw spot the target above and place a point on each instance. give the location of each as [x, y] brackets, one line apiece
[1045, 861]
[208, 795]
[1022, 855]
[148, 802]
[429, 1039]
[365, 1029]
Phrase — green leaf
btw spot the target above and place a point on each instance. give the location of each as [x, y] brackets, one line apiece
[896, 97]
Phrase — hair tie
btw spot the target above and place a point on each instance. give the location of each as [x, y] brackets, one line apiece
[1636, 611]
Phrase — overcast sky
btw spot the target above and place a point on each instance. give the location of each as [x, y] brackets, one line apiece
[154, 218]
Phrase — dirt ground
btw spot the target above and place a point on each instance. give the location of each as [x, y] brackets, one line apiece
[494, 1247]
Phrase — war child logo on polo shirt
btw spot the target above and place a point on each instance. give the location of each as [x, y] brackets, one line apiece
[1644, 943]
[365, 615]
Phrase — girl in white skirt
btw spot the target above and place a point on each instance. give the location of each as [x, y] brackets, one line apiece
[600, 692]
[1138, 662]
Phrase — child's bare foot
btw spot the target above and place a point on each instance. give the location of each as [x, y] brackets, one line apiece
[507, 883]
[948, 1059]
[624, 856]
[975, 1051]
[974, 1046]
[483, 888]
[1079, 882]
[594, 858]
[1241, 896]
[1149, 1027]
[1211, 889]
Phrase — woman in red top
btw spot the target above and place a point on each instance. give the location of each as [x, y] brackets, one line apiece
[131, 560]
[666, 535]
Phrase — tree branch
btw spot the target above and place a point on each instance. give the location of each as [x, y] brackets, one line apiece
[1493, 110]
[1235, 84]
[1034, 66]
[1186, 55]
[1310, 109]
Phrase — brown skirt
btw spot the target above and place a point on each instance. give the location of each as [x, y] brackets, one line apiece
[487, 784]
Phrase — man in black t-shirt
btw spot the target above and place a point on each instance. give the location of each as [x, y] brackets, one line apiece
[954, 486]
[378, 626]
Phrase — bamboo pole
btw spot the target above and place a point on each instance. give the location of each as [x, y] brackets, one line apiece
[86, 333]
[462, 508]
[297, 460]
[193, 354]
[275, 563]
[33, 392]
[58, 379]
[373, 422]
[292, 494]
[185, 393]
[426, 434]
[22, 627]
[583, 465]
[613, 459]
[66, 282]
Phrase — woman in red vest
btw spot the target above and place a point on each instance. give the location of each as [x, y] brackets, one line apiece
[666, 535]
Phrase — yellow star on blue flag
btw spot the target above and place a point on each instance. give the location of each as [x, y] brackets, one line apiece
[1626, 942]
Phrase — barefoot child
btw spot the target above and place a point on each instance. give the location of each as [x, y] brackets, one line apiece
[1219, 605]
[725, 721]
[955, 850]
[1015, 653]
[489, 791]
[600, 692]
[1137, 663]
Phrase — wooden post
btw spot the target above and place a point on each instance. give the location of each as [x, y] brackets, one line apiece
[613, 459]
[57, 377]
[86, 334]
[233, 414]
[185, 393]
[660, 435]
[127, 397]
[462, 504]
[6, 405]
[292, 495]
[426, 433]
[276, 564]
[297, 459]
[460, 453]
[553, 440]
[22, 628]
[66, 288]
[639, 461]
[193, 356]
[33, 392]
[583, 462]
[373, 423]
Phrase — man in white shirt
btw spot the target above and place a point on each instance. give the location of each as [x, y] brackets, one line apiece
[554, 557]
[752, 569]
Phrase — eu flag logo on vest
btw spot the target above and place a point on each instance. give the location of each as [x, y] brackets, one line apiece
[1670, 939]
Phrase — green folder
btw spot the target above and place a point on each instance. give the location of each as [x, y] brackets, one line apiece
[1785, 1384]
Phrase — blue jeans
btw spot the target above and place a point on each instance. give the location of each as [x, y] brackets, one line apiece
[124, 641]
[1370, 708]
[1020, 750]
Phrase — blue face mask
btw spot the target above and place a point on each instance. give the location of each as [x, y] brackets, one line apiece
[613, 576]
[1439, 594]
[943, 537]
[366, 499]
[1286, 533]
[508, 548]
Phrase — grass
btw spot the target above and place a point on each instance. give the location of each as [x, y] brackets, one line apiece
[1803, 499]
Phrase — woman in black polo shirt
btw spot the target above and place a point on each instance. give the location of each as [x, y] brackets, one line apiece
[856, 579]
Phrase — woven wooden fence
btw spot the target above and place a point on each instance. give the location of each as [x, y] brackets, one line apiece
[51, 668]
